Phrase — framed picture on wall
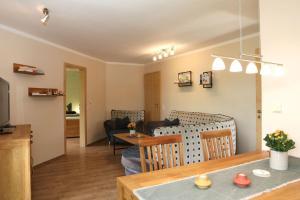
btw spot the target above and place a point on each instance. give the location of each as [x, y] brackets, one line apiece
[206, 79]
[185, 79]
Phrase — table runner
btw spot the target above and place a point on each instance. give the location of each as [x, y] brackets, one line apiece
[222, 187]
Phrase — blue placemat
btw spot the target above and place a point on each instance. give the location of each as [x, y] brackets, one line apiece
[222, 187]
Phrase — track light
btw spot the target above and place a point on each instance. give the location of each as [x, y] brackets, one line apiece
[218, 64]
[251, 68]
[236, 66]
[164, 53]
[45, 19]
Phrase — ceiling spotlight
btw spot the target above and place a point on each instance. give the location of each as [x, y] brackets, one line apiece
[154, 58]
[45, 19]
[172, 51]
[218, 64]
[165, 53]
[236, 66]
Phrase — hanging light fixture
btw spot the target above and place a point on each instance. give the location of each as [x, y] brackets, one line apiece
[278, 71]
[154, 58]
[251, 68]
[45, 19]
[172, 51]
[236, 66]
[218, 64]
[266, 70]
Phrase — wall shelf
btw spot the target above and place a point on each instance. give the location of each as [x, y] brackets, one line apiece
[44, 92]
[26, 69]
[185, 84]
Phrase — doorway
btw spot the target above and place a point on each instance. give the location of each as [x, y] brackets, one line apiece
[152, 96]
[75, 106]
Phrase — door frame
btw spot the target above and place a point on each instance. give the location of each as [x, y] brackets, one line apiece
[258, 109]
[83, 100]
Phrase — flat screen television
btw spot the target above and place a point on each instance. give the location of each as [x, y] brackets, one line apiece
[4, 103]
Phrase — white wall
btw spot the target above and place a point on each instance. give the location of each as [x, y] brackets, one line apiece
[124, 87]
[47, 114]
[280, 31]
[232, 94]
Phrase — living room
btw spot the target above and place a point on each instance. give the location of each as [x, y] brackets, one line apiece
[118, 55]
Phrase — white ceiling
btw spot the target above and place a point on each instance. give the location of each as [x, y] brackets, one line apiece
[131, 30]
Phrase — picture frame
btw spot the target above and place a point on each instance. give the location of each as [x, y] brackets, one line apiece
[206, 79]
[185, 79]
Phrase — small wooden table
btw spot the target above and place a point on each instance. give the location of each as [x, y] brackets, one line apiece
[129, 139]
[127, 184]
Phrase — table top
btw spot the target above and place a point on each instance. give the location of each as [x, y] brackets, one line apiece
[133, 182]
[139, 137]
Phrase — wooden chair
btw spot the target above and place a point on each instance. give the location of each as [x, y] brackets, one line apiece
[161, 152]
[217, 144]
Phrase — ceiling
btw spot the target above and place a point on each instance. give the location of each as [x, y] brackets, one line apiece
[131, 30]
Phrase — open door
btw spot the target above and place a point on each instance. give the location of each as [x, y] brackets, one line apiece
[75, 124]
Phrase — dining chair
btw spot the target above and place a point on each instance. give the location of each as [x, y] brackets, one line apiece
[161, 152]
[217, 144]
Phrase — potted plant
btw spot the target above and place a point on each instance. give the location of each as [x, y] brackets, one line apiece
[131, 126]
[280, 144]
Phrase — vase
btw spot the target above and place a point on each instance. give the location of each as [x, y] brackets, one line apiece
[131, 132]
[279, 160]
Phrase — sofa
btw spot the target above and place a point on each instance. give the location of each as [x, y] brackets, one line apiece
[119, 121]
[191, 124]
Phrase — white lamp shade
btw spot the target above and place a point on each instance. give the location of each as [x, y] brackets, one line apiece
[251, 68]
[218, 64]
[165, 54]
[154, 58]
[160, 56]
[236, 66]
[266, 70]
[278, 70]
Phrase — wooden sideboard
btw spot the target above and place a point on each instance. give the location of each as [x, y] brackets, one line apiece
[72, 127]
[15, 164]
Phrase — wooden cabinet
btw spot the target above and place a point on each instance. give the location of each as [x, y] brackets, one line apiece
[72, 128]
[15, 164]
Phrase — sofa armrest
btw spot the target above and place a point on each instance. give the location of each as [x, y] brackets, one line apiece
[109, 125]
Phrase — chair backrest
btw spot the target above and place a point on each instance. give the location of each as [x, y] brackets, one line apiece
[217, 144]
[161, 152]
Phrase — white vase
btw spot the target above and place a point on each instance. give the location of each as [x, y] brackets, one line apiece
[279, 160]
[131, 132]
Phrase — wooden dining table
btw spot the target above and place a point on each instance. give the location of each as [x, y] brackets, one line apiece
[127, 184]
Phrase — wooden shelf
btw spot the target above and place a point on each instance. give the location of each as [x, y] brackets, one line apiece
[16, 68]
[43, 92]
[186, 84]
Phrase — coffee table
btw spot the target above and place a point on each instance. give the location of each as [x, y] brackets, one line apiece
[131, 139]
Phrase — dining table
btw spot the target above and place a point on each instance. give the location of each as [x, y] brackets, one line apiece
[127, 186]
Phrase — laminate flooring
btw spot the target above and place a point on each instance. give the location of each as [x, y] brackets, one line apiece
[82, 174]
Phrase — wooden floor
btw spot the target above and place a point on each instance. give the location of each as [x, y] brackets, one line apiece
[84, 173]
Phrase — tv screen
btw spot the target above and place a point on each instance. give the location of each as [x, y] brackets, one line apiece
[4, 102]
